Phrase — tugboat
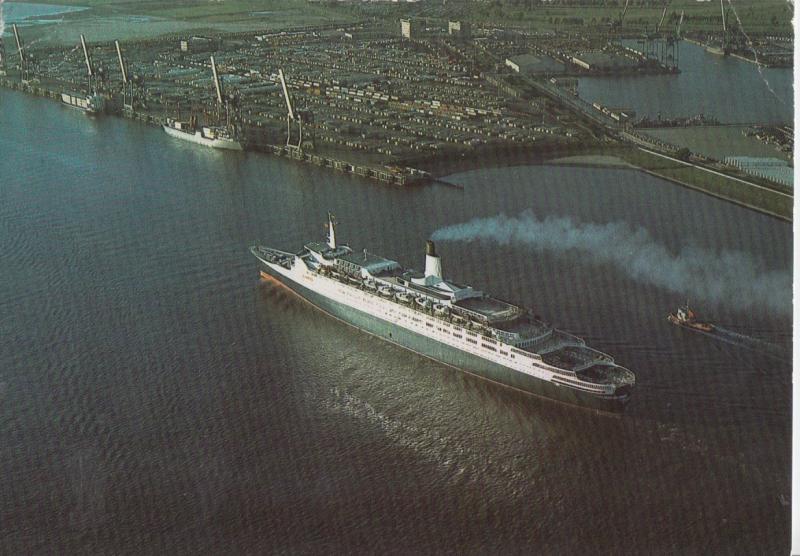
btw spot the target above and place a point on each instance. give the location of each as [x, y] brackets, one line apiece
[685, 317]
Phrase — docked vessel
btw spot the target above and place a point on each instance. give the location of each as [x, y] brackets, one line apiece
[451, 323]
[218, 137]
[90, 103]
[685, 317]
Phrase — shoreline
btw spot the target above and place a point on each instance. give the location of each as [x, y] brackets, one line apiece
[593, 155]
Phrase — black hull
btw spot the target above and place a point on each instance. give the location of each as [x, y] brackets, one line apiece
[451, 356]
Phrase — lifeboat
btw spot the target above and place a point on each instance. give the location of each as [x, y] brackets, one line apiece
[403, 297]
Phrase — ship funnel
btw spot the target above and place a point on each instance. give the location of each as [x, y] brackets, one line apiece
[433, 264]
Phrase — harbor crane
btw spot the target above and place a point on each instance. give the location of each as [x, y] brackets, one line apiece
[23, 62]
[292, 115]
[91, 74]
[127, 82]
[617, 23]
[223, 101]
[663, 15]
[217, 84]
[725, 46]
[622, 15]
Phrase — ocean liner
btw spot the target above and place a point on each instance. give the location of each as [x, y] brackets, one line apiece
[451, 323]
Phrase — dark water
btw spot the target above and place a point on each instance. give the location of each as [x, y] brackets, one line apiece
[156, 398]
[730, 89]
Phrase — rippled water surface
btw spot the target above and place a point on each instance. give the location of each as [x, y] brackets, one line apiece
[157, 398]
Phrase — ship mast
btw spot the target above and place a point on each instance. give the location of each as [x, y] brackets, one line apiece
[331, 231]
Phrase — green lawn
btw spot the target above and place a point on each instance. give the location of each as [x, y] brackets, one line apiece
[757, 16]
[771, 201]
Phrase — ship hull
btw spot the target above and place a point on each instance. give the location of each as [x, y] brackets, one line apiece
[80, 103]
[197, 137]
[448, 355]
[697, 326]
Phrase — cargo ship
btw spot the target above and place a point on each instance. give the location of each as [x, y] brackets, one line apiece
[452, 323]
[218, 137]
[685, 317]
[91, 104]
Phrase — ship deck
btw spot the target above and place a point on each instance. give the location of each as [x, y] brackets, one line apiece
[488, 308]
[608, 374]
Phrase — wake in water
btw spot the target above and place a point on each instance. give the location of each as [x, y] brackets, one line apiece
[749, 342]
[717, 276]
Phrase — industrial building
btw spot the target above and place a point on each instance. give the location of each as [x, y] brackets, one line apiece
[408, 28]
[601, 61]
[531, 64]
[197, 44]
[459, 29]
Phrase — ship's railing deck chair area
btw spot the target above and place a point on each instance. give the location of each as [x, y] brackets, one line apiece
[607, 374]
[274, 256]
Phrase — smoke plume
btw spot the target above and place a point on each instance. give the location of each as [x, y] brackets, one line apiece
[717, 276]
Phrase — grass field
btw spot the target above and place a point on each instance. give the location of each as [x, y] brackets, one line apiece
[768, 200]
[756, 15]
[107, 20]
[716, 141]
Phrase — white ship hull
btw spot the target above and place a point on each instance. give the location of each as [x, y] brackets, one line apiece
[89, 104]
[197, 137]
